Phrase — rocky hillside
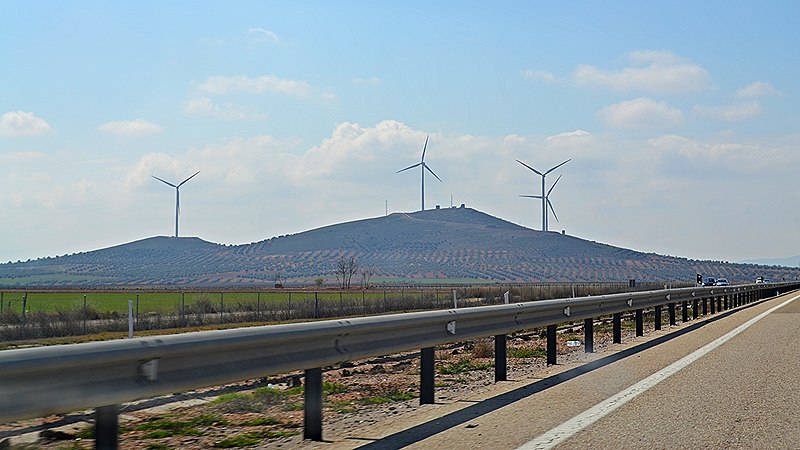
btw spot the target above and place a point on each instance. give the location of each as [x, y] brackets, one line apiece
[443, 244]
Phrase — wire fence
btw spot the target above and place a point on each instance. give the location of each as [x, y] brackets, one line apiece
[47, 314]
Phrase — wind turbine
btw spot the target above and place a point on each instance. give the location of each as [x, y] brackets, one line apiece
[544, 195]
[549, 205]
[177, 196]
[423, 167]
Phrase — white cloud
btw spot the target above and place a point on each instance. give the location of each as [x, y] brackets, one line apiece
[130, 128]
[21, 123]
[641, 114]
[259, 35]
[372, 81]
[571, 135]
[221, 85]
[207, 108]
[538, 75]
[650, 71]
[756, 89]
[22, 157]
[729, 113]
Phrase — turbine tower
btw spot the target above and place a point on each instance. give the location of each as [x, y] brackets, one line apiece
[544, 195]
[423, 168]
[177, 196]
[546, 224]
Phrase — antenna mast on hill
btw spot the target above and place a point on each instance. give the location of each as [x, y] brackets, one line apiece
[544, 197]
[423, 168]
[177, 196]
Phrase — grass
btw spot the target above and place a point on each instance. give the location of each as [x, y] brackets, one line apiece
[167, 427]
[527, 353]
[252, 438]
[463, 366]
[388, 397]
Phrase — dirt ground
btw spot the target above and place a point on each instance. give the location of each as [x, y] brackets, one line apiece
[268, 412]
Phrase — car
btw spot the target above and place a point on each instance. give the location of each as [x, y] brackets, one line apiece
[709, 281]
[759, 280]
[721, 282]
[768, 280]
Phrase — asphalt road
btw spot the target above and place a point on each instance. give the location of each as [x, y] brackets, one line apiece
[740, 393]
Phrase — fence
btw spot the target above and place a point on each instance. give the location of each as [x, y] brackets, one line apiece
[43, 314]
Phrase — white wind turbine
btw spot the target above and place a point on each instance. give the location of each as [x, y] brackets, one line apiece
[544, 196]
[177, 196]
[423, 168]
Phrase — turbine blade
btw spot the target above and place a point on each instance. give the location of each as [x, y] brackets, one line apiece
[529, 167]
[556, 167]
[429, 170]
[552, 209]
[409, 167]
[424, 148]
[184, 181]
[531, 196]
[554, 185]
[163, 181]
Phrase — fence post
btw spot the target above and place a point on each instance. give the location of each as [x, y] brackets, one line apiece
[258, 305]
[137, 309]
[364, 301]
[106, 427]
[84, 313]
[551, 345]
[384, 300]
[427, 374]
[130, 319]
[316, 305]
[657, 317]
[312, 411]
[588, 335]
[500, 358]
[221, 307]
[639, 323]
[183, 309]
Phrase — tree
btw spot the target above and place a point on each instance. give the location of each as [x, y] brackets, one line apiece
[366, 274]
[345, 268]
[319, 281]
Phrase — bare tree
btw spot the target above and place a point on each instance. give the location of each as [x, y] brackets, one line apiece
[345, 268]
[366, 274]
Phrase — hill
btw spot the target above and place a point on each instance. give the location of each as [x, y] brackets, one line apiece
[449, 245]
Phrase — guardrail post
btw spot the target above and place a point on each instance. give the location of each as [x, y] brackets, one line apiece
[106, 427]
[427, 372]
[639, 323]
[719, 304]
[551, 344]
[657, 317]
[713, 302]
[617, 321]
[671, 309]
[500, 359]
[588, 335]
[684, 311]
[312, 411]
[694, 308]
[726, 305]
[705, 306]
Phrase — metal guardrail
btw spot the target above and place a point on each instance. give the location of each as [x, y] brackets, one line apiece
[48, 380]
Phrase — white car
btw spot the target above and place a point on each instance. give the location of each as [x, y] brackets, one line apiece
[722, 282]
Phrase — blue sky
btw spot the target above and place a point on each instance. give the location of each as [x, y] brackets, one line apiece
[680, 119]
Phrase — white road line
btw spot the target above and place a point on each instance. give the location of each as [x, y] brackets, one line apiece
[572, 426]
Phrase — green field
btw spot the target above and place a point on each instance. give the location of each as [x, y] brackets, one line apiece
[169, 302]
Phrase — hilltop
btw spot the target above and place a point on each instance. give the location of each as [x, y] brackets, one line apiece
[440, 244]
